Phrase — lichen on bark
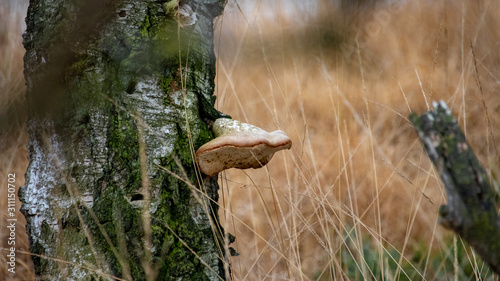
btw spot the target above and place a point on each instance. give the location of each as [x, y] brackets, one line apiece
[470, 210]
[97, 71]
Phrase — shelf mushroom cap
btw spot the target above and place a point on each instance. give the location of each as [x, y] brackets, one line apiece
[239, 145]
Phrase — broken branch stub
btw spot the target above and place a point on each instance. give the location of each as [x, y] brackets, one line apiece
[470, 210]
[239, 145]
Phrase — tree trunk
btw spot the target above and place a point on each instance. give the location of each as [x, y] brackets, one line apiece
[119, 93]
[471, 211]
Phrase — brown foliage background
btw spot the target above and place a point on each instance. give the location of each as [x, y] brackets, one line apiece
[342, 86]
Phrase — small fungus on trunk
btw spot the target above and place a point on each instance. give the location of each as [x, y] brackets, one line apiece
[239, 145]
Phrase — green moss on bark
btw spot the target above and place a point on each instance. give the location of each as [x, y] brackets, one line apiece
[470, 210]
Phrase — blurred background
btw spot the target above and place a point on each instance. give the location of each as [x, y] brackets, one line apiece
[356, 198]
[13, 135]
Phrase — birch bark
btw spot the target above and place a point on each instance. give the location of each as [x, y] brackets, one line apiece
[119, 92]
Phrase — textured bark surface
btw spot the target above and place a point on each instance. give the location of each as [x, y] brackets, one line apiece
[471, 210]
[107, 79]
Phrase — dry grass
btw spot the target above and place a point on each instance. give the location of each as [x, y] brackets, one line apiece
[356, 190]
[342, 88]
[13, 136]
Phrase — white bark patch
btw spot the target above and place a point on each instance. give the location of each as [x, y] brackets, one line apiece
[41, 178]
[187, 16]
[158, 130]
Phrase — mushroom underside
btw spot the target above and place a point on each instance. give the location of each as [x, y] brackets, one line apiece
[222, 158]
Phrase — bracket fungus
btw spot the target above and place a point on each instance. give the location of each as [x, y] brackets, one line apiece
[239, 145]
